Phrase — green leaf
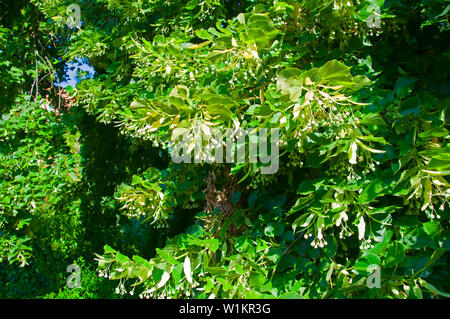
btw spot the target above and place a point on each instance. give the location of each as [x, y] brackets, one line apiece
[436, 255]
[203, 34]
[301, 203]
[136, 180]
[274, 229]
[290, 82]
[165, 277]
[372, 150]
[176, 273]
[256, 280]
[335, 73]
[291, 295]
[221, 110]
[434, 290]
[403, 86]
[274, 254]
[179, 131]
[235, 197]
[352, 154]
[306, 187]
[109, 250]
[303, 221]
[443, 13]
[330, 249]
[242, 244]
[426, 194]
[192, 4]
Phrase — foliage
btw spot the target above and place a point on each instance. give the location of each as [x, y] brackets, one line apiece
[371, 155]
[91, 286]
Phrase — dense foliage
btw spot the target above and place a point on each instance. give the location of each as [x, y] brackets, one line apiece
[361, 111]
